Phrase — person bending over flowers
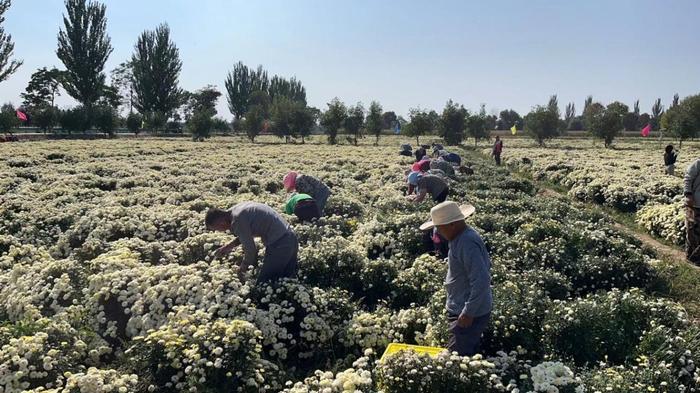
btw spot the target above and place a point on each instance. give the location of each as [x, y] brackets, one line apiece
[309, 185]
[302, 206]
[248, 220]
[424, 184]
[468, 282]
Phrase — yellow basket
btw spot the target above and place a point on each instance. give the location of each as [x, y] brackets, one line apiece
[396, 347]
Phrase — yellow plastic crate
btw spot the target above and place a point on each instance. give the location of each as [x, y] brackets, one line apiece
[396, 347]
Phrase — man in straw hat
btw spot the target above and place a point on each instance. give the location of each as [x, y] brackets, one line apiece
[468, 281]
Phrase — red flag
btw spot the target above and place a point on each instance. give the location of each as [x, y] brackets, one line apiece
[21, 115]
[646, 130]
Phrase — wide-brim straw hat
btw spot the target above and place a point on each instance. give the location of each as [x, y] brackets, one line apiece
[447, 212]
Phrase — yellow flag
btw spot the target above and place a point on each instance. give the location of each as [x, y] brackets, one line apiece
[513, 129]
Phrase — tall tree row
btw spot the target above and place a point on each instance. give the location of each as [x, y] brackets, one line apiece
[156, 69]
[84, 47]
[8, 65]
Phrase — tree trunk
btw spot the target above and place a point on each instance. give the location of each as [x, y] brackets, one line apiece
[302, 139]
[418, 140]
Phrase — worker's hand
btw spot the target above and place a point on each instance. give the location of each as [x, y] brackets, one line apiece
[223, 251]
[464, 321]
[242, 270]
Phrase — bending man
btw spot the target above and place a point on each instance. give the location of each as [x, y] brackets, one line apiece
[248, 220]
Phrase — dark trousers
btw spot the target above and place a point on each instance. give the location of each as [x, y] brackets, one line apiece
[692, 235]
[280, 259]
[442, 197]
[466, 341]
[497, 157]
[307, 210]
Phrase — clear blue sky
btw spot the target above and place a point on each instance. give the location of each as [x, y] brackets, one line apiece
[505, 54]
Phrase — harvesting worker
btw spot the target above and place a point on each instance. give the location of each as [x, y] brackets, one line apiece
[421, 153]
[497, 150]
[670, 157]
[424, 184]
[468, 282]
[248, 220]
[442, 165]
[309, 185]
[691, 189]
[303, 206]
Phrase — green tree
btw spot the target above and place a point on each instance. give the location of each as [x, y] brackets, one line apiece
[45, 117]
[618, 107]
[111, 97]
[676, 99]
[682, 120]
[302, 121]
[106, 119]
[477, 125]
[355, 121]
[282, 112]
[607, 124]
[657, 110]
[570, 114]
[8, 118]
[200, 125]
[202, 100]
[388, 120]
[156, 68]
[123, 81]
[134, 122]
[43, 88]
[240, 83]
[553, 106]
[452, 123]
[420, 123]
[374, 122]
[292, 89]
[509, 118]
[8, 66]
[630, 121]
[261, 99]
[542, 124]
[644, 119]
[587, 102]
[254, 121]
[592, 110]
[636, 108]
[333, 118]
[75, 119]
[84, 47]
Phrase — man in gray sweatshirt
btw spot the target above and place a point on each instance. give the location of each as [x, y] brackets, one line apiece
[691, 190]
[248, 220]
[468, 282]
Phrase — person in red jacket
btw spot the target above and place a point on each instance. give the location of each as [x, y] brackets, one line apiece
[497, 150]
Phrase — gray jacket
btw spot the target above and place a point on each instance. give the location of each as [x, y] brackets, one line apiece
[692, 182]
[468, 281]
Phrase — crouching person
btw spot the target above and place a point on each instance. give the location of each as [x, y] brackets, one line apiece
[303, 206]
[248, 220]
[468, 281]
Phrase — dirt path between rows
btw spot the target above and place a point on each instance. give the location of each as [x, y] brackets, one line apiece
[673, 253]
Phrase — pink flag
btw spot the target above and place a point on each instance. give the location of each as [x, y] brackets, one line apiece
[646, 130]
[21, 116]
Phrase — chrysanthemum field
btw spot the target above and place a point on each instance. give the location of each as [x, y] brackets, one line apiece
[629, 178]
[107, 282]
